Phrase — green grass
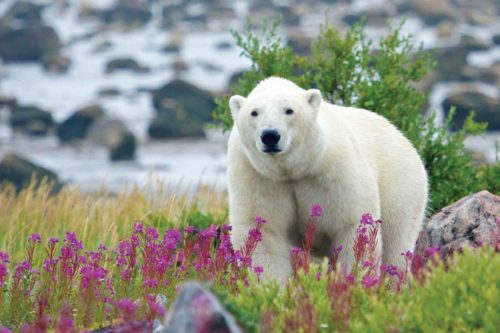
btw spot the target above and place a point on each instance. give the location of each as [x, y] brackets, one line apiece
[99, 217]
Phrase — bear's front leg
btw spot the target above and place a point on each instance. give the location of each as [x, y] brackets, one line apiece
[272, 253]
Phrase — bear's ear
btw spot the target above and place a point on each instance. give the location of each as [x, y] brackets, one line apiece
[313, 97]
[235, 104]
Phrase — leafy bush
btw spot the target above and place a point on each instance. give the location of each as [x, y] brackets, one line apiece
[349, 73]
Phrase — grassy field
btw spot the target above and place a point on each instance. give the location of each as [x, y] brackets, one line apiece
[100, 217]
[74, 261]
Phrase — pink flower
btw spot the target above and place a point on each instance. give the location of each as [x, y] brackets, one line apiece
[4, 329]
[156, 309]
[260, 221]
[316, 211]
[189, 229]
[127, 308]
[53, 240]
[390, 269]
[150, 283]
[226, 227]
[369, 281]
[171, 239]
[431, 251]
[367, 263]
[73, 241]
[255, 234]
[35, 238]
[22, 268]
[138, 228]
[151, 234]
[4, 258]
[258, 270]
[408, 255]
[3, 274]
[50, 265]
[210, 232]
[65, 323]
[366, 219]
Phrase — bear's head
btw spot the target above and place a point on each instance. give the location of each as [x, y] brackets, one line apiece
[276, 125]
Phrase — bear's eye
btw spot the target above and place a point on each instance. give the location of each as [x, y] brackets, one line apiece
[289, 111]
[254, 113]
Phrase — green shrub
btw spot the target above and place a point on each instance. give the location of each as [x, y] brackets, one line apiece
[348, 73]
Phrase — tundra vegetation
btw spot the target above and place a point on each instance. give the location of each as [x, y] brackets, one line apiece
[72, 261]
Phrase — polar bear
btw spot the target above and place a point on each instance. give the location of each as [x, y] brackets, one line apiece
[289, 150]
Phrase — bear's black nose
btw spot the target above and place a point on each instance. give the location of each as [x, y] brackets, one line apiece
[270, 137]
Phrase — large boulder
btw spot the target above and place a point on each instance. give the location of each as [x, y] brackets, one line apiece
[125, 64]
[472, 221]
[29, 43]
[114, 135]
[125, 12]
[76, 126]
[466, 99]
[23, 11]
[31, 120]
[172, 123]
[197, 310]
[451, 59]
[183, 110]
[431, 11]
[122, 147]
[19, 172]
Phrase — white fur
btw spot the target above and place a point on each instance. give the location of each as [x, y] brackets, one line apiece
[351, 161]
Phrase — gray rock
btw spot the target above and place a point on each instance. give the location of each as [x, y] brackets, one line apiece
[300, 43]
[431, 11]
[126, 12]
[466, 99]
[114, 135]
[31, 120]
[197, 310]
[174, 122]
[183, 110]
[8, 101]
[19, 172]
[125, 64]
[496, 39]
[471, 221]
[30, 43]
[56, 63]
[76, 126]
[109, 92]
[122, 146]
[23, 11]
[451, 59]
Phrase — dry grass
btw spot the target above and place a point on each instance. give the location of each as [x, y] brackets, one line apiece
[97, 218]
